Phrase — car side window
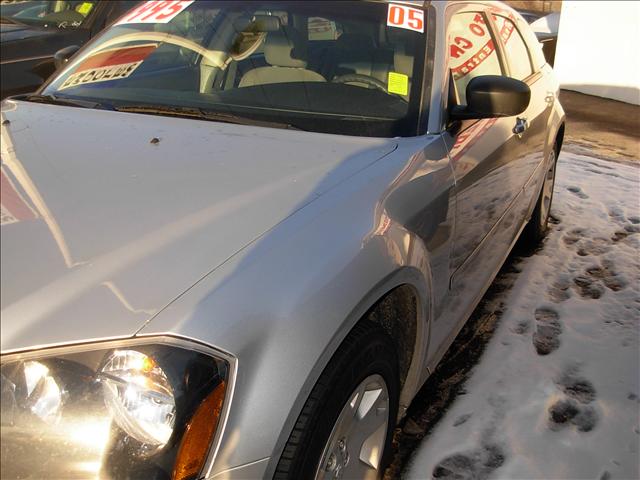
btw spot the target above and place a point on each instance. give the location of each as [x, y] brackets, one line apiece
[516, 50]
[472, 51]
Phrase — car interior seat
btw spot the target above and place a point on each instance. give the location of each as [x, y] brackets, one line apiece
[285, 52]
[357, 53]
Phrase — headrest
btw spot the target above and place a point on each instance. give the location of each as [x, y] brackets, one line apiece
[402, 61]
[257, 23]
[286, 48]
[355, 41]
[266, 23]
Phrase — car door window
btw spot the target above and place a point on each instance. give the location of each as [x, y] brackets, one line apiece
[515, 49]
[472, 51]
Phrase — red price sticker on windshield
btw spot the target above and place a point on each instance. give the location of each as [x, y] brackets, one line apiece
[156, 11]
[402, 16]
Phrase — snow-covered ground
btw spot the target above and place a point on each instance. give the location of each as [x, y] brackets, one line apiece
[555, 394]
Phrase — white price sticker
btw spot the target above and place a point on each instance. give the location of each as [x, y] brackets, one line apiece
[402, 16]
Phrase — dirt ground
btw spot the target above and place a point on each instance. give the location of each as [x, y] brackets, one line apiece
[601, 127]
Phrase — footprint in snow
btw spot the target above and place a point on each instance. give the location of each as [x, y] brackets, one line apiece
[587, 288]
[471, 465]
[559, 290]
[577, 191]
[608, 276]
[586, 246]
[568, 412]
[574, 409]
[590, 285]
[521, 327]
[573, 236]
[619, 235]
[577, 388]
[632, 228]
[546, 338]
[595, 246]
[591, 246]
[616, 214]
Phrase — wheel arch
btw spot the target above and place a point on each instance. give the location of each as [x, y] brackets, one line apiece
[559, 139]
[406, 290]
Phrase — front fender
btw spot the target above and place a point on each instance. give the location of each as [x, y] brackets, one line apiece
[285, 303]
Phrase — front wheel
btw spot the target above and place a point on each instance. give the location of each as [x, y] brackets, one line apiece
[538, 225]
[346, 425]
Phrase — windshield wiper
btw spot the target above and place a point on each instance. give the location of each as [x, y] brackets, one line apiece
[202, 114]
[68, 102]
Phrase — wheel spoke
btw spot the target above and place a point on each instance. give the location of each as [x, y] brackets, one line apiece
[369, 434]
[355, 447]
[369, 399]
[371, 450]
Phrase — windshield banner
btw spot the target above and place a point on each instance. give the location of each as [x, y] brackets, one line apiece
[108, 65]
[155, 12]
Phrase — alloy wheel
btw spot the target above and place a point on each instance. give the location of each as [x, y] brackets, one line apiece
[356, 443]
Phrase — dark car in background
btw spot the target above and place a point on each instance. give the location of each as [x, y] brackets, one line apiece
[33, 31]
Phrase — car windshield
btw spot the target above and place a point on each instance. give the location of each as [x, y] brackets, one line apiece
[334, 67]
[46, 13]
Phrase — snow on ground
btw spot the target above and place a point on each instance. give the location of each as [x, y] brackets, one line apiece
[556, 391]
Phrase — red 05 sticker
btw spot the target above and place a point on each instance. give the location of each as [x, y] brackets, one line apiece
[402, 16]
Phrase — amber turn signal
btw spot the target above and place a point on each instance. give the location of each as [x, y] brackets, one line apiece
[198, 435]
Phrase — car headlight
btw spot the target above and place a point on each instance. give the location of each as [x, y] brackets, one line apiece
[145, 408]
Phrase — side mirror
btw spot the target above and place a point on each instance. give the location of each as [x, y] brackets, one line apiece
[62, 56]
[47, 67]
[490, 96]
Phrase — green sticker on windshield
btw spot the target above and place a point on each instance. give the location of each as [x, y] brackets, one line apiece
[398, 83]
[84, 8]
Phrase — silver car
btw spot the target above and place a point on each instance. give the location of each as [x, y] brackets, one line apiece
[237, 237]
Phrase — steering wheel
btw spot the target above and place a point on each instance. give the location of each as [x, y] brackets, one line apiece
[360, 78]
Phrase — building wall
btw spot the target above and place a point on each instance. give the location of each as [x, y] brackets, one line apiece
[597, 50]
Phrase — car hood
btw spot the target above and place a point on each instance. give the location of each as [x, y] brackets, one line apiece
[108, 217]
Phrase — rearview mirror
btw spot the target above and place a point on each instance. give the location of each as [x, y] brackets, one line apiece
[490, 96]
[62, 56]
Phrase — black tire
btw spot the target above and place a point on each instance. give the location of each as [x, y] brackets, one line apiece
[538, 225]
[367, 350]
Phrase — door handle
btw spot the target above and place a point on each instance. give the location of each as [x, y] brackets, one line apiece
[520, 126]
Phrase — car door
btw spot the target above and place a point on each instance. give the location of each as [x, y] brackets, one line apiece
[537, 114]
[491, 158]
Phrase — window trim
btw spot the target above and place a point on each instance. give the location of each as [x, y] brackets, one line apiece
[427, 86]
[440, 104]
[493, 33]
[529, 79]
